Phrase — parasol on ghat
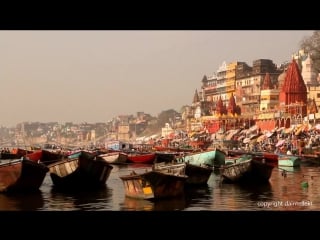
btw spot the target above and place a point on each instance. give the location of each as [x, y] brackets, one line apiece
[280, 143]
[261, 138]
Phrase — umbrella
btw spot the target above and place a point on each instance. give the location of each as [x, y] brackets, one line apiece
[254, 136]
[240, 138]
[280, 142]
[261, 138]
[269, 134]
[253, 128]
[280, 129]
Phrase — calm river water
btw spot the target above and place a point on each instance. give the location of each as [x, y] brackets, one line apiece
[298, 191]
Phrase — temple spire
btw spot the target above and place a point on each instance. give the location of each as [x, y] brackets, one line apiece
[196, 98]
[219, 108]
[294, 89]
[267, 84]
[232, 105]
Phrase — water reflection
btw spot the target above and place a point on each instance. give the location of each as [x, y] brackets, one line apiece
[21, 202]
[172, 204]
[65, 200]
[240, 197]
[298, 190]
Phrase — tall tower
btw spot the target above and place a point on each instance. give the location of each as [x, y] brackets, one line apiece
[294, 90]
[308, 74]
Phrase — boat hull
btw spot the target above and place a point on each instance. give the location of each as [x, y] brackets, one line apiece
[213, 158]
[153, 185]
[251, 171]
[22, 176]
[289, 161]
[85, 171]
[141, 158]
[198, 175]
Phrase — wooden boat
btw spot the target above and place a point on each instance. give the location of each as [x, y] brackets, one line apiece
[65, 173]
[312, 159]
[153, 185]
[170, 168]
[114, 157]
[267, 157]
[21, 175]
[250, 169]
[213, 158]
[34, 156]
[45, 156]
[95, 171]
[14, 153]
[165, 156]
[197, 175]
[236, 153]
[289, 161]
[84, 171]
[74, 154]
[49, 157]
[141, 157]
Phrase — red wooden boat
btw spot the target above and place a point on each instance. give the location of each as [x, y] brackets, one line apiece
[141, 157]
[45, 156]
[34, 156]
[15, 153]
[21, 175]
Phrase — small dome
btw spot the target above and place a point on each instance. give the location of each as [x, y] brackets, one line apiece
[281, 78]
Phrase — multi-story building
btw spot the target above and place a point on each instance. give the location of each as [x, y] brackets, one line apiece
[269, 99]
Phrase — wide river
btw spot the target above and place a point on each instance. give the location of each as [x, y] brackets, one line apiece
[299, 190]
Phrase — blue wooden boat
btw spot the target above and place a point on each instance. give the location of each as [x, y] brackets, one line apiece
[213, 158]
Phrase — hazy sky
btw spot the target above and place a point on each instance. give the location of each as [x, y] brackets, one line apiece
[93, 76]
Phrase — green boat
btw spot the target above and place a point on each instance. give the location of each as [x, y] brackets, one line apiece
[289, 161]
[214, 158]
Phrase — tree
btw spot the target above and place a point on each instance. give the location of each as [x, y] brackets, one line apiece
[311, 45]
[166, 117]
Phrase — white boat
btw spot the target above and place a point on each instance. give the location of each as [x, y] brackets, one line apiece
[114, 157]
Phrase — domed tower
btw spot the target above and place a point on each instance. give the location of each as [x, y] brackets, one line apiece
[281, 78]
